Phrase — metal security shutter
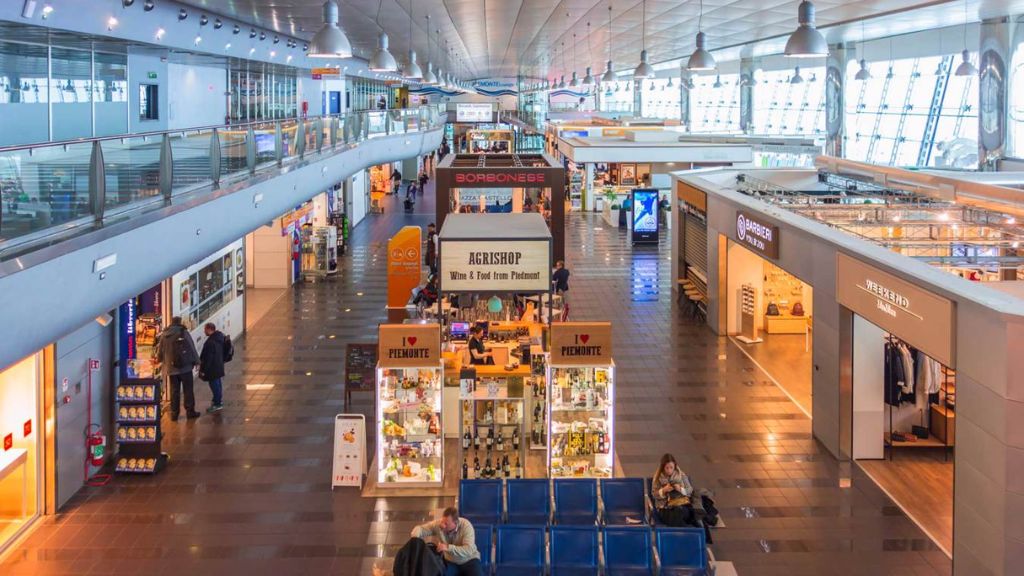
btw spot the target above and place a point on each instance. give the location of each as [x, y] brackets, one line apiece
[696, 244]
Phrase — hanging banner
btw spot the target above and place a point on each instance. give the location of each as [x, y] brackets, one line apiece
[581, 343]
[404, 265]
[495, 266]
[409, 346]
[349, 450]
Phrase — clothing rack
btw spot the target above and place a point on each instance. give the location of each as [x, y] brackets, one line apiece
[943, 407]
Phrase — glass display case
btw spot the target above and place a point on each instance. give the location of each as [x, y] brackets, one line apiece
[493, 405]
[580, 421]
[410, 443]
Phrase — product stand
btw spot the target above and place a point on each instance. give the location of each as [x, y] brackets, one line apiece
[410, 439]
[581, 401]
[139, 431]
[492, 432]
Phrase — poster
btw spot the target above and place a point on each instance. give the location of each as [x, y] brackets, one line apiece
[495, 266]
[474, 112]
[404, 265]
[645, 215]
[349, 450]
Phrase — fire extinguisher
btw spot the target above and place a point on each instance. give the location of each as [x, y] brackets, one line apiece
[96, 444]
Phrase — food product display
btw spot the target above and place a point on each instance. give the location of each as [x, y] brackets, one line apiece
[410, 444]
[138, 427]
[580, 413]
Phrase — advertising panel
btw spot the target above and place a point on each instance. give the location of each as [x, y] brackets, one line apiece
[645, 216]
[489, 266]
[404, 265]
[409, 346]
[473, 112]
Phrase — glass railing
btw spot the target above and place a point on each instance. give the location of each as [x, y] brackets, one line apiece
[54, 190]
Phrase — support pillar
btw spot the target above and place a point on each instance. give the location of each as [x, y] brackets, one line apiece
[995, 52]
[747, 95]
[835, 105]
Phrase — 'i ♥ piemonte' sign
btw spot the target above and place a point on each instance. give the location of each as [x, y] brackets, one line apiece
[581, 344]
[409, 345]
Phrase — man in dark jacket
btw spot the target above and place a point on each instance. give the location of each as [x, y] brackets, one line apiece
[211, 364]
[176, 354]
[416, 558]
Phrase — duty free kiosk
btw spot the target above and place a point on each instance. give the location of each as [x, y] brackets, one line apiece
[410, 442]
[581, 396]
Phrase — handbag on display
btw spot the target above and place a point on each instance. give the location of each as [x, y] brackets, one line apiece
[798, 309]
[773, 309]
[920, 431]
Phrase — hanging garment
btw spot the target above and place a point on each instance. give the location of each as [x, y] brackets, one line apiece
[907, 388]
[893, 375]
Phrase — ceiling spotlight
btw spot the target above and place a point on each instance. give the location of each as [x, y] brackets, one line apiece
[276, 39]
[217, 24]
[288, 59]
[148, 5]
[330, 41]
[236, 29]
[806, 41]
[263, 36]
[863, 73]
[227, 46]
[160, 33]
[252, 32]
[198, 39]
[204, 20]
[305, 47]
[47, 10]
[127, 3]
[273, 53]
[111, 23]
[182, 14]
[252, 51]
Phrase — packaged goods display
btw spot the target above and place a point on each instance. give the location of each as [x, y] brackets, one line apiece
[581, 419]
[138, 431]
[410, 441]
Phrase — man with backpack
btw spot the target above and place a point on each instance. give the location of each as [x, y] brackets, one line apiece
[177, 358]
[216, 351]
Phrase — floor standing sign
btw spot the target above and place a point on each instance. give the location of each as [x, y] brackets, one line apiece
[349, 450]
[645, 216]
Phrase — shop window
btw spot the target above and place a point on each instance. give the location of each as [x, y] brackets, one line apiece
[20, 477]
[149, 102]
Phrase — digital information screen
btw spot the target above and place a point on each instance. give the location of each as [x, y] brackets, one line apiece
[645, 215]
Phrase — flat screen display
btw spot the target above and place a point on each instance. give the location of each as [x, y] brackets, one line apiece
[473, 112]
[645, 215]
[460, 330]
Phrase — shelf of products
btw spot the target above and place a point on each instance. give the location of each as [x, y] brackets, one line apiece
[580, 421]
[410, 443]
[493, 404]
[138, 432]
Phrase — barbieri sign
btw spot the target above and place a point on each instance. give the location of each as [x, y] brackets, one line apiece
[757, 235]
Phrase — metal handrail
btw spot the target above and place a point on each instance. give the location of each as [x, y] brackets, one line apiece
[50, 191]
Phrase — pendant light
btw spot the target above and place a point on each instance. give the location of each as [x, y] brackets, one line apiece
[382, 60]
[806, 41]
[412, 70]
[588, 78]
[429, 78]
[575, 81]
[330, 41]
[796, 78]
[643, 70]
[609, 76]
[965, 68]
[701, 59]
[863, 73]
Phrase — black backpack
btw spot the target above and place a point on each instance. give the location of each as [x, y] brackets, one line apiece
[181, 354]
[229, 349]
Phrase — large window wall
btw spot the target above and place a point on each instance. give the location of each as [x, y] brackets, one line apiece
[60, 93]
[261, 91]
[787, 105]
[715, 104]
[658, 99]
[617, 96]
[912, 112]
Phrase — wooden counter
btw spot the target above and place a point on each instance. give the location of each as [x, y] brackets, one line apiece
[785, 324]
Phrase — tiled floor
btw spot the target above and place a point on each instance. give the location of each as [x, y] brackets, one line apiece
[248, 491]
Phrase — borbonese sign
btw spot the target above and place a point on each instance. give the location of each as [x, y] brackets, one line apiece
[757, 235]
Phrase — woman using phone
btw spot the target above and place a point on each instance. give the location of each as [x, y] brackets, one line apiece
[672, 490]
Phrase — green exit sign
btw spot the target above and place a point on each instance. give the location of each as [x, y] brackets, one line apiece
[151, 75]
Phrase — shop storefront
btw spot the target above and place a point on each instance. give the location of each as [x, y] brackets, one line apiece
[496, 183]
[490, 141]
[897, 336]
[22, 452]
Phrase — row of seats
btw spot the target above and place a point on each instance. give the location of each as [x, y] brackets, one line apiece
[579, 550]
[621, 501]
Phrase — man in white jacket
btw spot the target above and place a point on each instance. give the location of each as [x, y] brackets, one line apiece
[456, 540]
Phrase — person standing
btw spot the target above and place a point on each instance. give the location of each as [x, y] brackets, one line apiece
[430, 254]
[456, 541]
[560, 282]
[396, 180]
[216, 351]
[178, 358]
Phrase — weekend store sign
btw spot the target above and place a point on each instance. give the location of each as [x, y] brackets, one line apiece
[922, 319]
[409, 346]
[511, 266]
[581, 344]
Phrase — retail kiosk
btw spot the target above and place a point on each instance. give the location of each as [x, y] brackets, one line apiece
[410, 443]
[506, 184]
[495, 272]
[581, 392]
[912, 358]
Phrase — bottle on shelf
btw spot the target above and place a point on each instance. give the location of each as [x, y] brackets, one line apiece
[505, 466]
[476, 439]
[515, 439]
[488, 468]
[519, 468]
[465, 469]
[476, 467]
[466, 440]
[490, 440]
[602, 448]
[500, 442]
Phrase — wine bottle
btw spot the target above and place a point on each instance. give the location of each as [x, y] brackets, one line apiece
[515, 439]
[465, 470]
[476, 467]
[476, 439]
[501, 442]
[505, 466]
[488, 468]
[490, 441]
[466, 439]
[519, 468]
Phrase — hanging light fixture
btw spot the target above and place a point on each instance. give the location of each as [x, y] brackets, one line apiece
[330, 41]
[412, 70]
[643, 70]
[701, 59]
[588, 78]
[609, 76]
[796, 78]
[806, 41]
[965, 68]
[863, 73]
[429, 78]
[575, 81]
[382, 59]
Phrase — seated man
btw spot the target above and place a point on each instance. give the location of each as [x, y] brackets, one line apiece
[455, 540]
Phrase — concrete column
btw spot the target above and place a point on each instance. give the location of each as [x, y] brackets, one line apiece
[993, 88]
[835, 85]
[638, 87]
[747, 95]
[684, 100]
